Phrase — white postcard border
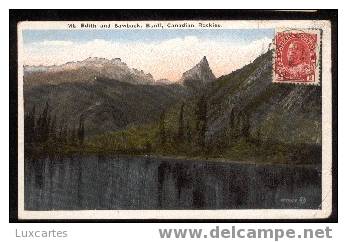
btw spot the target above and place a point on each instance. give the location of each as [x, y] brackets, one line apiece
[326, 82]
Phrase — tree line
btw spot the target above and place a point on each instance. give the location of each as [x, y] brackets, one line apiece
[194, 130]
[44, 128]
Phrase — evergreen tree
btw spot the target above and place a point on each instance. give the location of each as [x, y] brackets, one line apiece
[258, 136]
[80, 131]
[52, 132]
[245, 131]
[180, 133]
[43, 125]
[39, 128]
[64, 134]
[238, 125]
[148, 147]
[61, 130]
[162, 129]
[73, 136]
[232, 120]
[188, 133]
[29, 126]
[201, 120]
[232, 131]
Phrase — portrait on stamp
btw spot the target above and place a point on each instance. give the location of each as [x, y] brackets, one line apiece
[297, 57]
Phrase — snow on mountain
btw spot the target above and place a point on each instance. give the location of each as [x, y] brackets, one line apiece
[86, 70]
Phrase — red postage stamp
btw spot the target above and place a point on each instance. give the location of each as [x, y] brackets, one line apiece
[297, 57]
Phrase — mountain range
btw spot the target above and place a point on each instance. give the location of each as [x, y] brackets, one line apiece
[276, 112]
[85, 71]
[110, 96]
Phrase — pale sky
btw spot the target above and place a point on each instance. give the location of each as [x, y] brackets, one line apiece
[163, 53]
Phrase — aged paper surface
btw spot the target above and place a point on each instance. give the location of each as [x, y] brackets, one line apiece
[173, 120]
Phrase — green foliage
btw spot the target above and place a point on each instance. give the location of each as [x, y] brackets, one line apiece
[44, 134]
[133, 140]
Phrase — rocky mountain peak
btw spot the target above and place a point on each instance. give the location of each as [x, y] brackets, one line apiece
[201, 72]
[203, 61]
[86, 70]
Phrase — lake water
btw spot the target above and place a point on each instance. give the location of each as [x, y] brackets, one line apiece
[123, 182]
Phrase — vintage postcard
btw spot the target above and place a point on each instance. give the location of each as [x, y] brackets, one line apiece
[174, 119]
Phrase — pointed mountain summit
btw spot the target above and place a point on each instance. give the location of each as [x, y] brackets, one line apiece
[200, 73]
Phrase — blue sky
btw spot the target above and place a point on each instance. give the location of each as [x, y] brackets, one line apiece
[233, 35]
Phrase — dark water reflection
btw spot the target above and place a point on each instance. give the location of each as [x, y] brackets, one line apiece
[148, 183]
